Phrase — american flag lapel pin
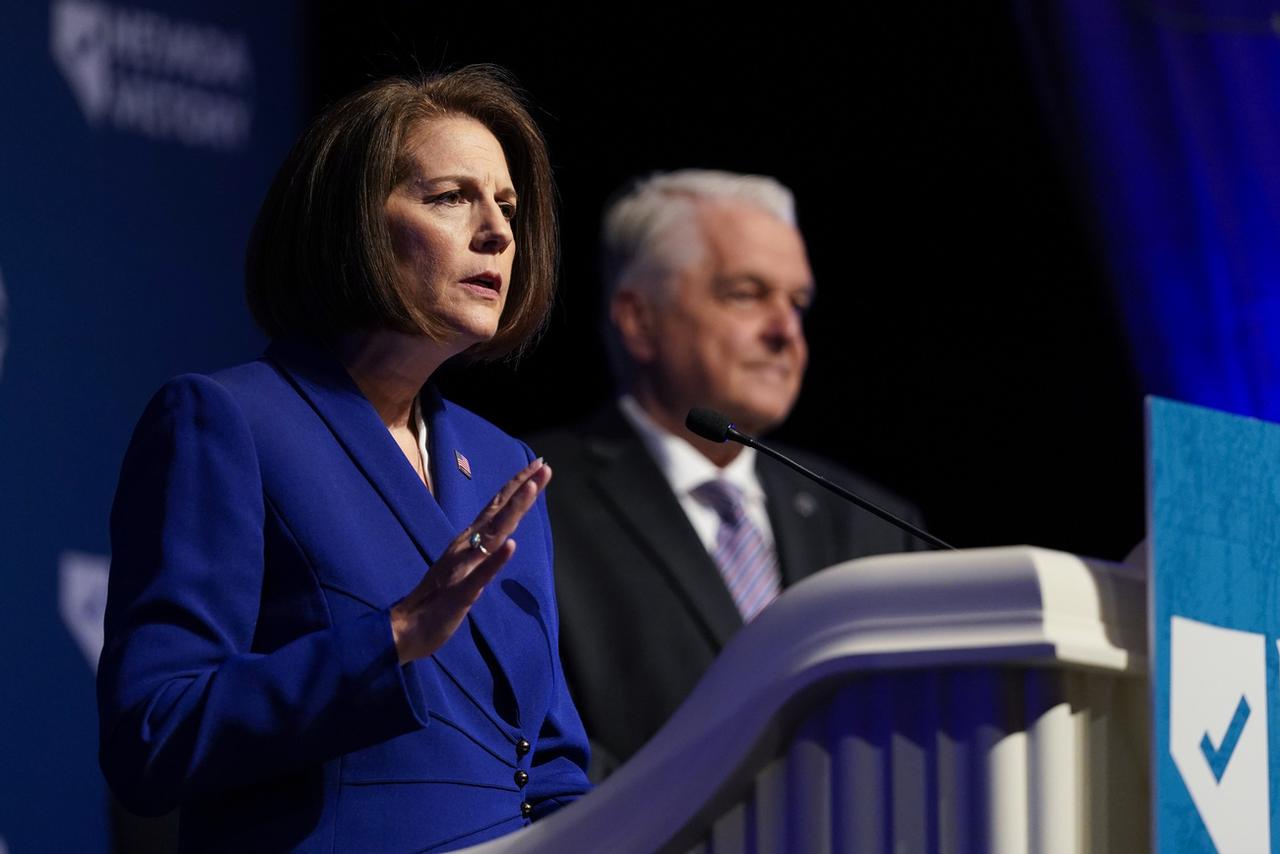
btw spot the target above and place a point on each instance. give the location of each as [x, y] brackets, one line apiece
[463, 465]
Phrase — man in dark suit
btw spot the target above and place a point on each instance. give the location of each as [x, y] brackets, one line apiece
[666, 543]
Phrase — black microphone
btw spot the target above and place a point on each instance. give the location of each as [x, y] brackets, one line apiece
[709, 424]
[714, 426]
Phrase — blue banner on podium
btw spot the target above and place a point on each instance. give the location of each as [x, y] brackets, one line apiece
[1214, 539]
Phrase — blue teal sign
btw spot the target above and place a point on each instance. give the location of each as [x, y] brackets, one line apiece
[139, 137]
[1214, 536]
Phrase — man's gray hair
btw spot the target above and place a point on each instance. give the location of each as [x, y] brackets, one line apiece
[649, 230]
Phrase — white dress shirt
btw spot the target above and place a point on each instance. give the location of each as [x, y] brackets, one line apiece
[421, 424]
[685, 468]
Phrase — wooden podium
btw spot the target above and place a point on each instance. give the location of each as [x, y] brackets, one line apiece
[989, 700]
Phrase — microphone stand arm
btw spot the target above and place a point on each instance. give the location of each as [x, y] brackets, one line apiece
[869, 506]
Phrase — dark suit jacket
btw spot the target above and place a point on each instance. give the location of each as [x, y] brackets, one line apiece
[264, 524]
[643, 608]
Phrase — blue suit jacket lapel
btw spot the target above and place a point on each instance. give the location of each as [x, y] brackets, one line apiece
[322, 381]
[462, 501]
[431, 522]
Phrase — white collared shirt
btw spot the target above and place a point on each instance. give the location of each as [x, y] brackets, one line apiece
[685, 468]
[422, 441]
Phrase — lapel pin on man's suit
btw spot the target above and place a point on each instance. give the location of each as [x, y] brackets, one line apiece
[806, 505]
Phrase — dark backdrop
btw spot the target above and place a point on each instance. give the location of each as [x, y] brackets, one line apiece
[965, 348]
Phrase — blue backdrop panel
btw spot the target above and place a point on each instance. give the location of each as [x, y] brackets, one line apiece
[1167, 110]
[1214, 503]
[139, 138]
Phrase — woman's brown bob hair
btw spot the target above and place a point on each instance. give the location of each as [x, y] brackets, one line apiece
[320, 261]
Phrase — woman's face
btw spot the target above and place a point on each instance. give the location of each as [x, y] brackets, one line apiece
[450, 225]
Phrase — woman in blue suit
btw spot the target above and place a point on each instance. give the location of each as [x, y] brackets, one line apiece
[320, 633]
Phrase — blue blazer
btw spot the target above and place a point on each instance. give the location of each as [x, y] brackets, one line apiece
[264, 524]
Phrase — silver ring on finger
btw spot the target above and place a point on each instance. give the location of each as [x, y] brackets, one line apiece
[475, 544]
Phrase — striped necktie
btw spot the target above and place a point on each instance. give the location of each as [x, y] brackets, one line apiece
[746, 561]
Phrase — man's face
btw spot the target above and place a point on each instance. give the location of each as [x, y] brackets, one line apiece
[727, 333]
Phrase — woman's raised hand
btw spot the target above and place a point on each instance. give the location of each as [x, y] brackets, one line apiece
[422, 621]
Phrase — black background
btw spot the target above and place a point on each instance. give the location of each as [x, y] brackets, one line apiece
[965, 347]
